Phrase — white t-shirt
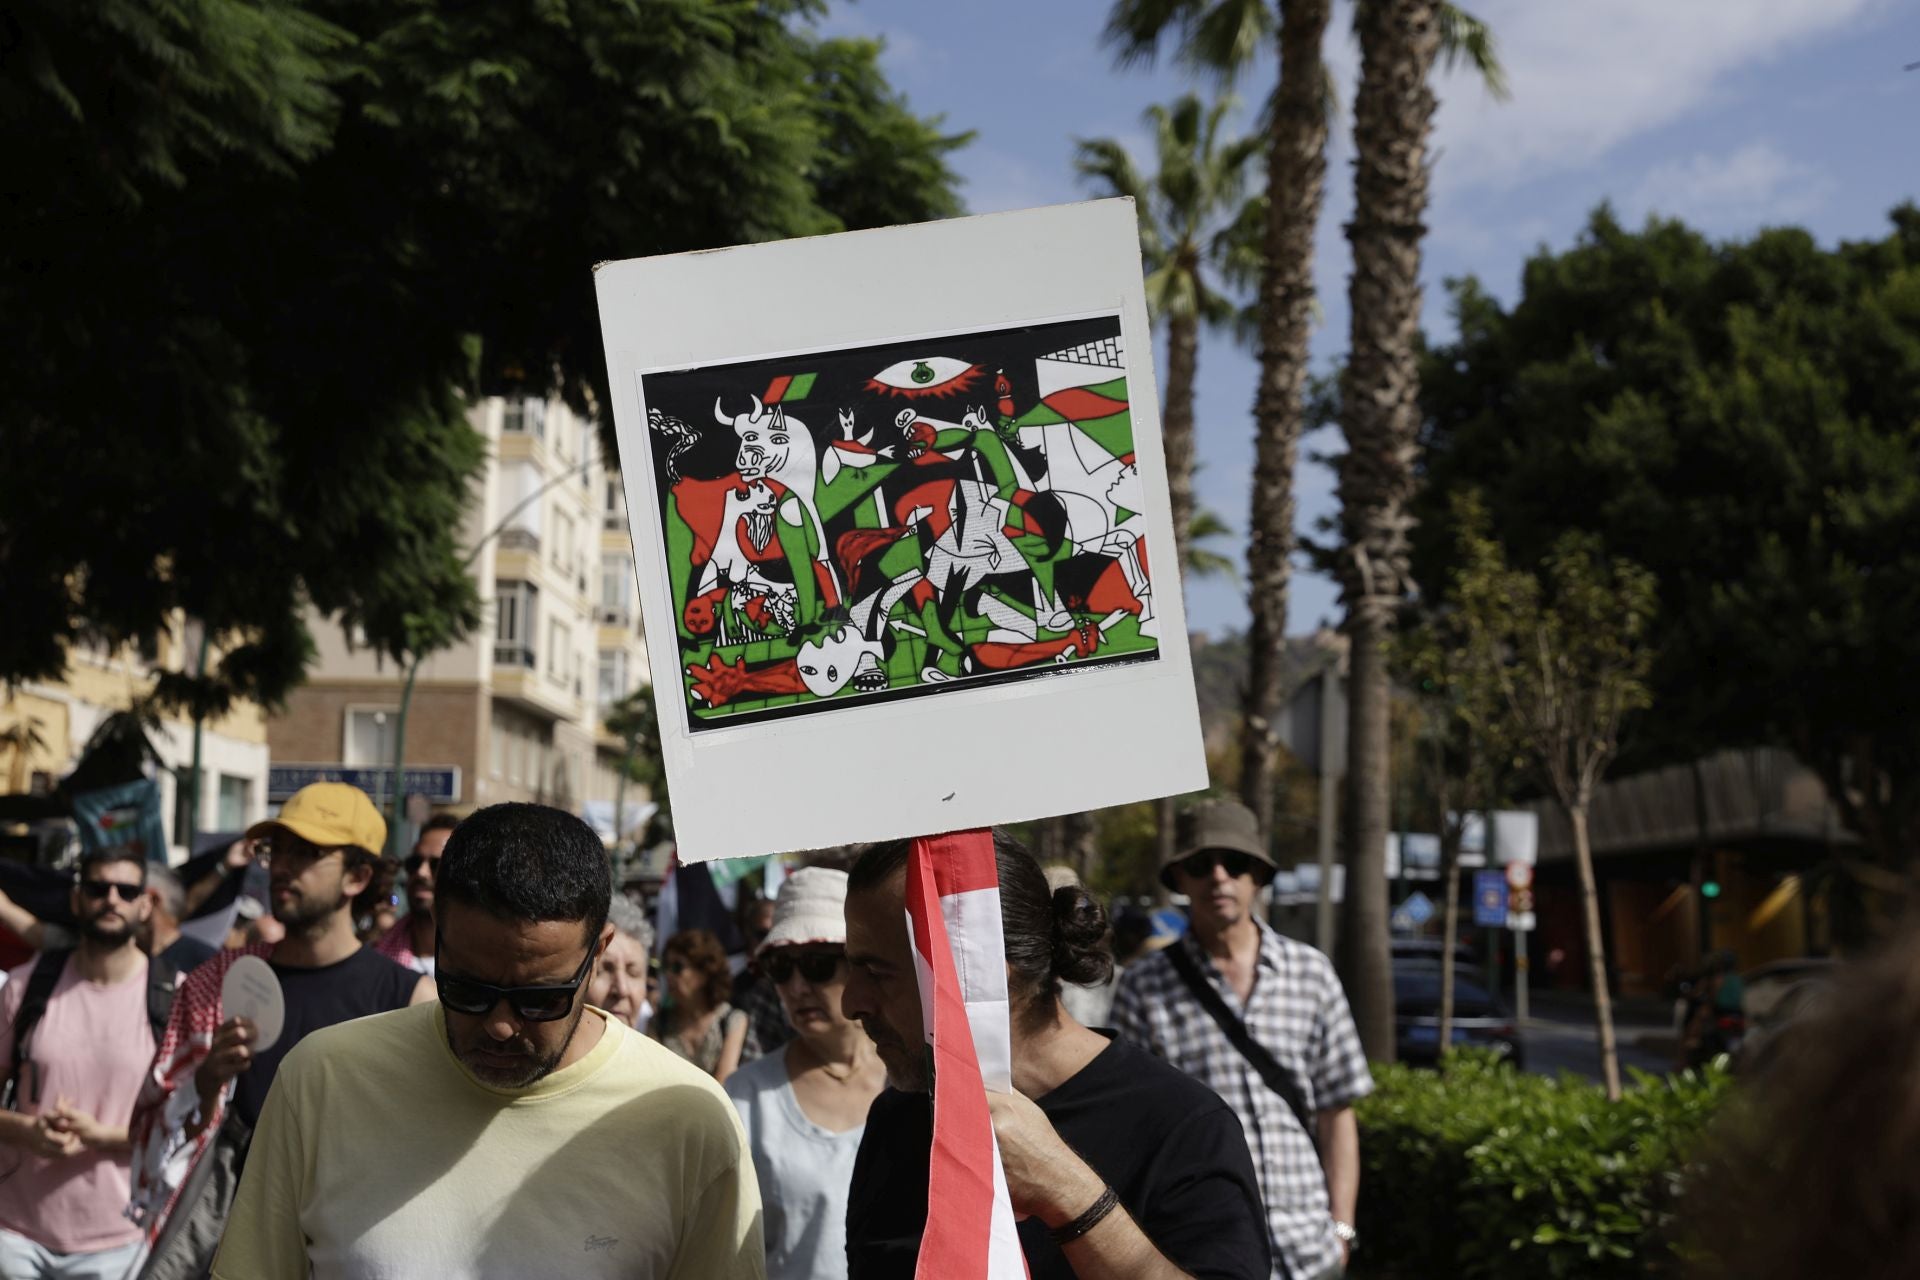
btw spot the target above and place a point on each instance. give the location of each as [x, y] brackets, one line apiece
[804, 1172]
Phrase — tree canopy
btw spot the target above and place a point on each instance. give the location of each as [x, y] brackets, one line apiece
[261, 254]
[1742, 419]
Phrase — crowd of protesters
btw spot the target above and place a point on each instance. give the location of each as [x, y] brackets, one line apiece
[515, 1075]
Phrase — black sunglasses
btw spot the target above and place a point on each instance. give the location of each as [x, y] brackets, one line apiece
[1201, 864]
[814, 966]
[414, 861]
[529, 1004]
[99, 889]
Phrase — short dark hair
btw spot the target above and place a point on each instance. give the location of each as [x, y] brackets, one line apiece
[438, 822]
[527, 862]
[1051, 936]
[95, 858]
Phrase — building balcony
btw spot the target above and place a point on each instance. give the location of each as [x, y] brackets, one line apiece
[517, 539]
[514, 655]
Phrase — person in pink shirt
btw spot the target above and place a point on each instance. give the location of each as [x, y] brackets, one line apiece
[410, 940]
[64, 1167]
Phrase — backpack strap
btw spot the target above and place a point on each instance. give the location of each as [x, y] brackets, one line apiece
[40, 984]
[1256, 1054]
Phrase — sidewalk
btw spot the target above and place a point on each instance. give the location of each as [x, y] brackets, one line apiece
[1645, 1022]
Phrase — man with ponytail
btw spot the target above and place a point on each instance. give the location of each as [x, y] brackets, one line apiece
[1116, 1163]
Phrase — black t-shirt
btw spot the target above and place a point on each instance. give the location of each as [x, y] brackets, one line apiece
[1168, 1145]
[365, 982]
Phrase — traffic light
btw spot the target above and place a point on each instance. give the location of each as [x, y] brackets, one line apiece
[1710, 889]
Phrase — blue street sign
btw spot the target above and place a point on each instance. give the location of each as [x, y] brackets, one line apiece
[1490, 899]
[1416, 910]
[439, 783]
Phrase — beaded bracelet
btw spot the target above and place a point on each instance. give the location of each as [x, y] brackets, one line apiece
[1109, 1201]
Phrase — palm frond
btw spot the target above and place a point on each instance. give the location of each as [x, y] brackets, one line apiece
[1465, 38]
[1135, 27]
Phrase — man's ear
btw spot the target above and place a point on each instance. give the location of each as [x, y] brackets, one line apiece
[358, 877]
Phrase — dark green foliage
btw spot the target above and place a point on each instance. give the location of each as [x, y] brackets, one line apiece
[1743, 419]
[260, 255]
[1483, 1171]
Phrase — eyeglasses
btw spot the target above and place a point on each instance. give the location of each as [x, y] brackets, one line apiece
[814, 966]
[98, 890]
[415, 861]
[529, 1004]
[284, 846]
[1200, 866]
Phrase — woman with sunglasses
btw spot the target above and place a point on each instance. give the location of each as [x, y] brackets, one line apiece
[804, 1107]
[695, 1019]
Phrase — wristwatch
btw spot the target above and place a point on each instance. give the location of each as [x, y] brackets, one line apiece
[1348, 1236]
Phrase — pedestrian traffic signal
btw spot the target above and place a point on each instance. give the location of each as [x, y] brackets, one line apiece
[1710, 889]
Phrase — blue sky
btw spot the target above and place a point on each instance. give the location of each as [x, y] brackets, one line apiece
[1729, 114]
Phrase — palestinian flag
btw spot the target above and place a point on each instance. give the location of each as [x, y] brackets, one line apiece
[789, 388]
[953, 908]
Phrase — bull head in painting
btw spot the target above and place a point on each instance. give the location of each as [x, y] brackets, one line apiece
[771, 444]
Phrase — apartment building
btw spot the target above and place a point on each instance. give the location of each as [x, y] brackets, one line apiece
[514, 712]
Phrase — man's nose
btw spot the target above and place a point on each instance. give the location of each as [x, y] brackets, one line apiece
[501, 1024]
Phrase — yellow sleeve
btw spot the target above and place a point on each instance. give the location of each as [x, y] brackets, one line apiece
[263, 1239]
[721, 1235]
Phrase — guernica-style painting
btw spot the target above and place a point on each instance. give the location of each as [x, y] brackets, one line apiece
[890, 522]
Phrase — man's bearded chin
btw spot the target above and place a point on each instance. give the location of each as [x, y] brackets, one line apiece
[96, 930]
[303, 911]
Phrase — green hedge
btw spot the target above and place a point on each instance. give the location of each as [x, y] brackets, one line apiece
[1482, 1171]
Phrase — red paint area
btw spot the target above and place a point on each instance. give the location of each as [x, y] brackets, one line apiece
[958, 384]
[718, 682]
[1077, 404]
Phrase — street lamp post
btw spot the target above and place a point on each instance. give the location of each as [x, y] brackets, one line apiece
[398, 799]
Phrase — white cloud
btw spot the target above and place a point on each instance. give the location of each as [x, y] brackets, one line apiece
[1587, 77]
[1757, 184]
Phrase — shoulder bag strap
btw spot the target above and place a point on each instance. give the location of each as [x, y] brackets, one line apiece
[33, 1004]
[1237, 1034]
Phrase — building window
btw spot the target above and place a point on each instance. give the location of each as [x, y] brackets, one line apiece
[616, 589]
[613, 508]
[234, 794]
[557, 647]
[369, 736]
[613, 676]
[562, 543]
[516, 610]
[524, 416]
[497, 750]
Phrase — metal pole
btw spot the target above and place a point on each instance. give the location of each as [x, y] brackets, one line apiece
[1329, 802]
[199, 721]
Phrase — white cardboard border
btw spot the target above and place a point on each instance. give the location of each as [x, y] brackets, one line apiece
[970, 757]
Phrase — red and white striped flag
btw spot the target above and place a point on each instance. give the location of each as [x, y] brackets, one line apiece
[959, 952]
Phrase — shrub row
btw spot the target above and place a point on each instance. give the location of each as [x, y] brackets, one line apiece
[1480, 1171]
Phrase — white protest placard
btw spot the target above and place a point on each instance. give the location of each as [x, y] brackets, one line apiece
[252, 991]
[899, 513]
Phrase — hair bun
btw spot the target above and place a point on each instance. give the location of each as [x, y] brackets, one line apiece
[1082, 950]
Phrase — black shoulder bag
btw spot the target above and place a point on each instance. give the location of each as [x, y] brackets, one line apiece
[1237, 1034]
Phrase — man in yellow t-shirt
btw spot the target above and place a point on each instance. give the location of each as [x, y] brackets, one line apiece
[510, 1130]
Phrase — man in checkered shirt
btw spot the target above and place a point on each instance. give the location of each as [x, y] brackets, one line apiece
[1293, 1006]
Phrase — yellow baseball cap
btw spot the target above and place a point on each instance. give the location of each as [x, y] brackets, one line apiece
[330, 814]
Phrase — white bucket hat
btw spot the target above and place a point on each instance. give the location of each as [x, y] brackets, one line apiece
[812, 907]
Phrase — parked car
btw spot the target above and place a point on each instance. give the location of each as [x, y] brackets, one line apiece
[1479, 1019]
[1429, 951]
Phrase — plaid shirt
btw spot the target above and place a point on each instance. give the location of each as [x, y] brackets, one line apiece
[1298, 1011]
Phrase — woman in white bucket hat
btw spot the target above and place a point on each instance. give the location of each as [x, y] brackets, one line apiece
[805, 1107]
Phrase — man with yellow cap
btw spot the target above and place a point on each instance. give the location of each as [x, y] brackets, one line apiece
[210, 1077]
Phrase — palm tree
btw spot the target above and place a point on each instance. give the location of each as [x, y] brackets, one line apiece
[1400, 40]
[1224, 36]
[22, 739]
[1188, 211]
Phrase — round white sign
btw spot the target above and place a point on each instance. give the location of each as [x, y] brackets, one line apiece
[250, 990]
[1519, 875]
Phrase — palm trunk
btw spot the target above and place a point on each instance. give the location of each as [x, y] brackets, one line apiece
[1366, 962]
[1176, 428]
[1596, 950]
[1393, 114]
[1296, 183]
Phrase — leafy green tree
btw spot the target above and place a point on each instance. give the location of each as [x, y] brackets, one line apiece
[635, 721]
[262, 255]
[1400, 41]
[1740, 418]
